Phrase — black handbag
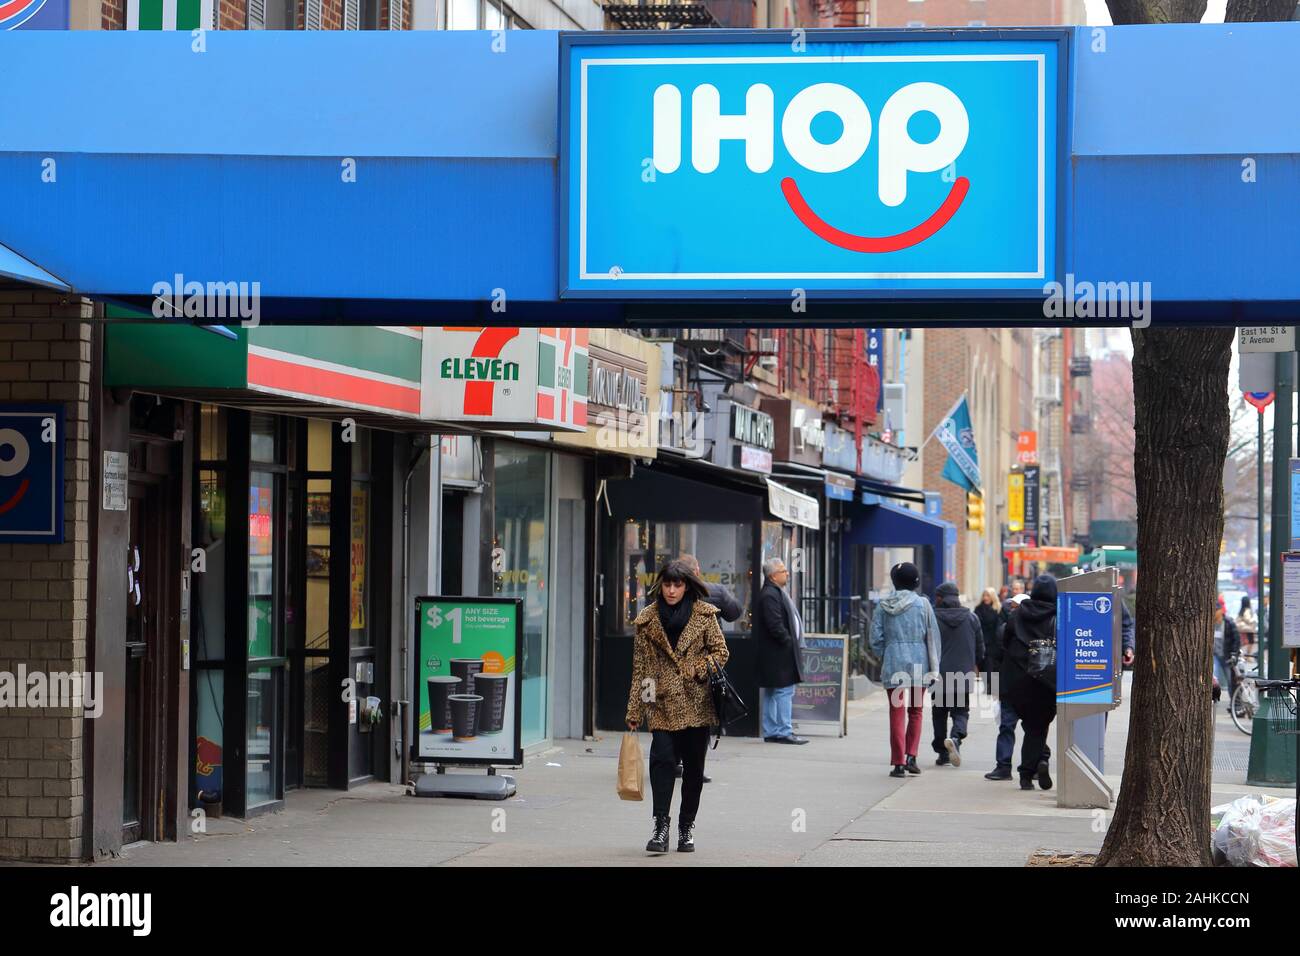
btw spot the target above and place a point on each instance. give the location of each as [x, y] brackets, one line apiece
[727, 703]
[1042, 662]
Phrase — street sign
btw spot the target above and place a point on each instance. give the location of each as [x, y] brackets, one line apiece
[1295, 503]
[870, 162]
[1266, 338]
[1290, 599]
[1085, 648]
[1261, 400]
[1016, 501]
[1027, 448]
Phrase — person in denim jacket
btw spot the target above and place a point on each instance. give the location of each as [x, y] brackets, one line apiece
[905, 635]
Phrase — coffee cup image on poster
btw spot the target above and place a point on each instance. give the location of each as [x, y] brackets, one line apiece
[467, 680]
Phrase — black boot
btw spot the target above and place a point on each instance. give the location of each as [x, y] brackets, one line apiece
[659, 839]
[685, 837]
[1044, 776]
[998, 773]
[898, 771]
[1026, 782]
[911, 766]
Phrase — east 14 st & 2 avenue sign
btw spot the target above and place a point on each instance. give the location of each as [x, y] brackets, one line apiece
[880, 162]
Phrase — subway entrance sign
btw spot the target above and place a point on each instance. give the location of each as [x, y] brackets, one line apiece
[868, 162]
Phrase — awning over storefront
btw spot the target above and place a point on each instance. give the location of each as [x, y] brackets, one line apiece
[387, 199]
[885, 525]
[793, 506]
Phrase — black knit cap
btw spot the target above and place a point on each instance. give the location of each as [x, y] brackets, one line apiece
[1044, 589]
[905, 577]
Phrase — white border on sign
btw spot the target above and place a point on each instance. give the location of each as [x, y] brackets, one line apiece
[584, 275]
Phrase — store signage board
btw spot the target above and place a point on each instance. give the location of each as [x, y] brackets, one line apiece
[31, 473]
[505, 377]
[856, 163]
[793, 506]
[840, 487]
[1085, 648]
[468, 692]
[1295, 503]
[1268, 338]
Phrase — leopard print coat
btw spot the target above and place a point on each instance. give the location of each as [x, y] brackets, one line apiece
[673, 686]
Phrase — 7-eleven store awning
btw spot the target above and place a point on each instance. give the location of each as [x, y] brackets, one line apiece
[386, 376]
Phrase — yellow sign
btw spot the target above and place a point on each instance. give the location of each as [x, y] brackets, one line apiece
[357, 574]
[1016, 501]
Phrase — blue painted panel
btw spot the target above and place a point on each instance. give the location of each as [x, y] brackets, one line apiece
[1187, 89]
[1189, 225]
[282, 93]
[878, 163]
[406, 229]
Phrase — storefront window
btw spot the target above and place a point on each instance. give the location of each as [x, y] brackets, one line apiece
[522, 526]
[263, 632]
[263, 734]
[262, 444]
[722, 548]
[210, 586]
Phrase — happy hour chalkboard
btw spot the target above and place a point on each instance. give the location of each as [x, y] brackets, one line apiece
[821, 695]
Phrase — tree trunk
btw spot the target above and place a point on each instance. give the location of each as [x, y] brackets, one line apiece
[1156, 11]
[1258, 11]
[1180, 386]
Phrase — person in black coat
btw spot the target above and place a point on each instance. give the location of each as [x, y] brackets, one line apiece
[779, 633]
[729, 608]
[989, 613]
[1034, 700]
[961, 647]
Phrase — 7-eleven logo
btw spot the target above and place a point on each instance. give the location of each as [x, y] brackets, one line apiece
[482, 368]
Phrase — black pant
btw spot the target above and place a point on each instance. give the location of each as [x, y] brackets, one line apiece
[1036, 714]
[960, 719]
[690, 746]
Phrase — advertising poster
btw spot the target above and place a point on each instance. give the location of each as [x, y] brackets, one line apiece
[1085, 648]
[467, 680]
[31, 473]
[1290, 599]
[820, 698]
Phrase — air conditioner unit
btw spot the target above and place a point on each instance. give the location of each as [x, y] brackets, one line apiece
[767, 347]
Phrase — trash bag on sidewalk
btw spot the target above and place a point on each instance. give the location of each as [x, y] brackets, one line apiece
[631, 769]
[1256, 831]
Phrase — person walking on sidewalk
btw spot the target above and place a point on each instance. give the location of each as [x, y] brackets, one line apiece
[778, 629]
[905, 636]
[988, 611]
[1007, 719]
[1227, 643]
[676, 636]
[1033, 697]
[961, 648]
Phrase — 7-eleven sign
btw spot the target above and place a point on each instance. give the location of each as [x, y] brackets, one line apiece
[531, 379]
[169, 14]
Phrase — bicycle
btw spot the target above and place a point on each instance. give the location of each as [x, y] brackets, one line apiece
[1245, 696]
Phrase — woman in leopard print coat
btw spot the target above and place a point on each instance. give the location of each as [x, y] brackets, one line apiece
[675, 636]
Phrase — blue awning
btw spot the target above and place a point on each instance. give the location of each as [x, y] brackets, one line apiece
[237, 164]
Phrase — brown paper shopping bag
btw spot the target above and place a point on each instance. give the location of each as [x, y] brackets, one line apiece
[631, 769]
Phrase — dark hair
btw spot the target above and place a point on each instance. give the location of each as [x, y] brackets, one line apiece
[1044, 589]
[677, 571]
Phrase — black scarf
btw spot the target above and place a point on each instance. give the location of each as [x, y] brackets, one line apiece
[674, 617]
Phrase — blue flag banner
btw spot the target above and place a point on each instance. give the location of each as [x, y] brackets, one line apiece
[958, 437]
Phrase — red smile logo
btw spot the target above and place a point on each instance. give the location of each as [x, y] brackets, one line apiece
[16, 497]
[855, 243]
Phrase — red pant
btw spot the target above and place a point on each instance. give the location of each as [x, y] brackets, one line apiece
[904, 709]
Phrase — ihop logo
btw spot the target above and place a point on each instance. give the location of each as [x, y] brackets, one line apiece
[852, 166]
[31, 473]
[33, 14]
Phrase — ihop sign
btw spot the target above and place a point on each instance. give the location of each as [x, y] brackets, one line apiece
[845, 162]
[31, 473]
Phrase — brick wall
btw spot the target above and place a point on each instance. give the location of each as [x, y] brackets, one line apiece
[114, 13]
[232, 14]
[43, 588]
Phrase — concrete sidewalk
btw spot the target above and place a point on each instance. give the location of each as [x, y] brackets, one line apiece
[830, 802]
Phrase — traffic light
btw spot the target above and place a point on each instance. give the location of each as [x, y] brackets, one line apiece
[974, 512]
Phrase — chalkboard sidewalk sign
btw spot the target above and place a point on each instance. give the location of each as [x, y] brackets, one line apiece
[819, 702]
